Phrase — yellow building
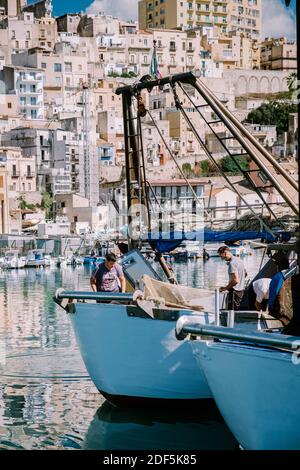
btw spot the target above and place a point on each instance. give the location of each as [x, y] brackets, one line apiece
[4, 214]
[229, 15]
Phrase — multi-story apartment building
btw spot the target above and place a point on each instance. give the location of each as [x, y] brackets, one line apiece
[27, 85]
[229, 15]
[278, 54]
[65, 69]
[231, 51]
[21, 176]
[57, 154]
[18, 34]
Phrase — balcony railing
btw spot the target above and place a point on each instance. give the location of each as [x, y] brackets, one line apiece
[15, 174]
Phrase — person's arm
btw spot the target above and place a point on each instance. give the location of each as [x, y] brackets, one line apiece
[257, 306]
[123, 284]
[93, 284]
[234, 280]
[121, 278]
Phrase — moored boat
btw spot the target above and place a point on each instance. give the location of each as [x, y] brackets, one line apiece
[36, 259]
[255, 381]
[13, 260]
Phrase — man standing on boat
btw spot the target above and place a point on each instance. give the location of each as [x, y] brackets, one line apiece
[237, 275]
[108, 276]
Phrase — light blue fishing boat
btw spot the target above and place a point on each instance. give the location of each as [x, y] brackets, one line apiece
[255, 382]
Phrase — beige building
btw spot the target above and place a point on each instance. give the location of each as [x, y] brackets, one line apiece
[278, 54]
[82, 216]
[232, 50]
[21, 170]
[12, 7]
[18, 34]
[229, 15]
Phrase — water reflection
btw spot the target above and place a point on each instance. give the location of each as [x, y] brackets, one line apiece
[195, 427]
[47, 400]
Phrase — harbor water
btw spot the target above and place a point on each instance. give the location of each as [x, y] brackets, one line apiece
[47, 400]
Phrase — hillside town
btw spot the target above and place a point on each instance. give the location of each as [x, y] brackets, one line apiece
[62, 151]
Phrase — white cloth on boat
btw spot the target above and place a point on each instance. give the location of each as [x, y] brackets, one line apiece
[261, 288]
[177, 296]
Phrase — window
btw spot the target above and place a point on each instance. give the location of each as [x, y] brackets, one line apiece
[33, 101]
[33, 114]
[9, 105]
[68, 66]
[44, 65]
[13, 35]
[57, 67]
[27, 34]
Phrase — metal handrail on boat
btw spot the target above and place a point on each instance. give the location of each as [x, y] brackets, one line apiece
[265, 339]
[97, 296]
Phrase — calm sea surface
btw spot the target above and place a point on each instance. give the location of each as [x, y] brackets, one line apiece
[47, 400]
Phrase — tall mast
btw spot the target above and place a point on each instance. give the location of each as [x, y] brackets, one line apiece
[134, 164]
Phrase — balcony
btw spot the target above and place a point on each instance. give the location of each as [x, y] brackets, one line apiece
[30, 175]
[15, 174]
[30, 78]
[190, 49]
[172, 48]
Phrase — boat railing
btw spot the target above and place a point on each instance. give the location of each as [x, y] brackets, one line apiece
[275, 340]
[96, 296]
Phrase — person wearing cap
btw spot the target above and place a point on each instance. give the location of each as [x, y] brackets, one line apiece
[237, 275]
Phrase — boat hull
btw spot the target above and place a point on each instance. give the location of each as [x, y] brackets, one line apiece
[248, 385]
[136, 359]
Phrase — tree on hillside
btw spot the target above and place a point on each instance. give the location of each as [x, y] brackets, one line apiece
[291, 81]
[231, 166]
[46, 203]
[273, 113]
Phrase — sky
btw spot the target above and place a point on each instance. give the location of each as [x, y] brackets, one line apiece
[277, 19]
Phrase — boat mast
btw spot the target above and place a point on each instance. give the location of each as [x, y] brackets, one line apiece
[135, 181]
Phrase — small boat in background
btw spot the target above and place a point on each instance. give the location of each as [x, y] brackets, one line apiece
[93, 260]
[13, 260]
[37, 258]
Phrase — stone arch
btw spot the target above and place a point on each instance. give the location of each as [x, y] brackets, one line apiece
[242, 88]
[253, 85]
[264, 85]
[275, 85]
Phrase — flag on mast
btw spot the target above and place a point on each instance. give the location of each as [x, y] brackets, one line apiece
[154, 68]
